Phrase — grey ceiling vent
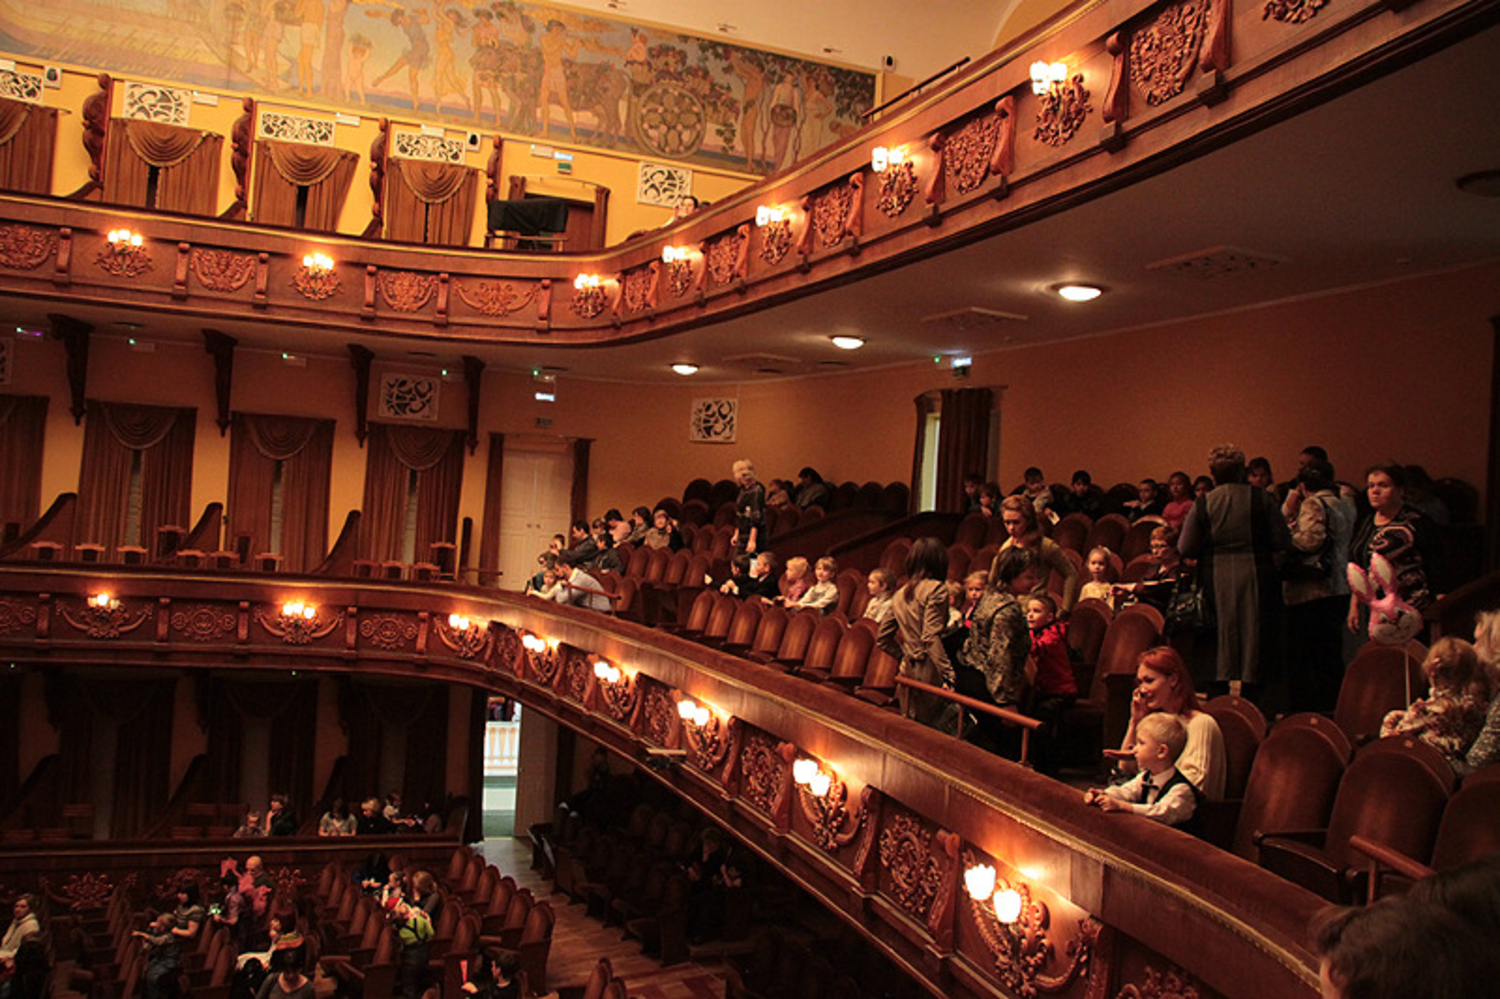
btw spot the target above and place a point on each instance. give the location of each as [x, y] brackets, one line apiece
[973, 318]
[1218, 261]
[763, 363]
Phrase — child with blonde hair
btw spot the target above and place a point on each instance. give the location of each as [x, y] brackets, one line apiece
[1098, 587]
[1449, 718]
[882, 587]
[823, 594]
[795, 580]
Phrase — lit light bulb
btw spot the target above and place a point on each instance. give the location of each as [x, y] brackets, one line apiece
[820, 783]
[685, 709]
[803, 770]
[979, 880]
[1007, 905]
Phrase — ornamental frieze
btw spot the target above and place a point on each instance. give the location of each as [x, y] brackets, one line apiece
[495, 298]
[406, 291]
[967, 155]
[24, 247]
[898, 186]
[15, 615]
[658, 712]
[1174, 983]
[829, 214]
[636, 287]
[1064, 107]
[203, 623]
[221, 270]
[1291, 11]
[725, 257]
[763, 770]
[388, 632]
[1164, 50]
[775, 241]
[912, 873]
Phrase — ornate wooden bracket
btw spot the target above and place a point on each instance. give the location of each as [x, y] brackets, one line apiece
[95, 127]
[361, 357]
[937, 184]
[220, 347]
[492, 172]
[379, 149]
[74, 336]
[1003, 160]
[473, 378]
[242, 151]
[1117, 96]
[1213, 60]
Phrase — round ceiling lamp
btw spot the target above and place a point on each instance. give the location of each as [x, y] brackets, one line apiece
[1078, 292]
[847, 342]
[685, 369]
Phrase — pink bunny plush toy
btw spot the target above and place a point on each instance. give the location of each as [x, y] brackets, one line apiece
[1393, 621]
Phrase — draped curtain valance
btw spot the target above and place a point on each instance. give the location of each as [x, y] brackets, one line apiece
[23, 423]
[395, 452]
[285, 168]
[28, 137]
[115, 432]
[430, 202]
[304, 449]
[186, 162]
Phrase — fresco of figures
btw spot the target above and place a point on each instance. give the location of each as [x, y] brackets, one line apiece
[528, 69]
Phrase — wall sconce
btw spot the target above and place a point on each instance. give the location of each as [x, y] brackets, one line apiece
[298, 622]
[825, 804]
[706, 733]
[980, 881]
[541, 654]
[883, 158]
[1045, 76]
[616, 690]
[694, 713]
[1014, 926]
[316, 280]
[104, 616]
[766, 215]
[606, 671]
[124, 254]
[467, 638]
[103, 601]
[588, 296]
[675, 254]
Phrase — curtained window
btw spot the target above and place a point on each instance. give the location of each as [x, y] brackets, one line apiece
[28, 135]
[151, 165]
[137, 472]
[963, 440]
[116, 749]
[301, 185]
[279, 471]
[289, 713]
[430, 202]
[23, 426]
[412, 481]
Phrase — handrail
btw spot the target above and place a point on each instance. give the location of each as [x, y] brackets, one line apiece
[868, 115]
[1025, 724]
[60, 506]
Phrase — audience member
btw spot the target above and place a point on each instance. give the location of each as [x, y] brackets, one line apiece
[663, 532]
[1450, 717]
[1403, 948]
[711, 875]
[640, 523]
[612, 558]
[1397, 531]
[973, 482]
[880, 584]
[1155, 587]
[823, 594]
[1055, 689]
[336, 821]
[251, 827]
[1179, 500]
[1316, 586]
[812, 490]
[1202, 486]
[280, 818]
[749, 512]
[1148, 502]
[414, 930]
[163, 958]
[758, 583]
[989, 499]
[582, 547]
[974, 586]
[492, 975]
[1237, 535]
[1164, 684]
[1083, 497]
[913, 633]
[577, 588]
[372, 821]
[999, 641]
[1158, 791]
[23, 924]
[779, 494]
[1019, 517]
[795, 580]
[1258, 474]
[1034, 487]
[189, 915]
[1486, 749]
[1099, 586]
[287, 979]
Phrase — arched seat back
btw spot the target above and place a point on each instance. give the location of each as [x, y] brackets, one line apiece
[1393, 793]
[1241, 742]
[1108, 531]
[1072, 532]
[702, 609]
[724, 609]
[824, 644]
[745, 624]
[657, 560]
[972, 530]
[1471, 823]
[893, 559]
[799, 632]
[1376, 682]
[1137, 540]
[960, 554]
[852, 659]
[1087, 626]
[1293, 781]
[768, 632]
[1245, 709]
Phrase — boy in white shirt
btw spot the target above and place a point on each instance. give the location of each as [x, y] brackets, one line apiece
[1157, 791]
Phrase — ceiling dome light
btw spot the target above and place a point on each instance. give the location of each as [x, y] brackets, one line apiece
[685, 369]
[848, 342]
[1078, 292]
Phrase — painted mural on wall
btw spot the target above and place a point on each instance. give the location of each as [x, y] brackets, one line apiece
[528, 69]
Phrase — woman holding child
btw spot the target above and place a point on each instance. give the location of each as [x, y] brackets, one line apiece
[1164, 684]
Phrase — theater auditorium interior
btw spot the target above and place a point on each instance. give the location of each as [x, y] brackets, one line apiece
[319, 319]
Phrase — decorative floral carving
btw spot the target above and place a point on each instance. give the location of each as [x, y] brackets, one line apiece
[19, 86]
[775, 241]
[1163, 51]
[150, 102]
[295, 128]
[829, 214]
[679, 277]
[659, 713]
[316, 285]
[434, 148]
[898, 185]
[714, 420]
[636, 289]
[906, 855]
[620, 697]
[542, 658]
[1064, 107]
[472, 642]
[660, 184]
[723, 257]
[966, 159]
[221, 270]
[833, 824]
[25, 248]
[574, 681]
[495, 298]
[123, 260]
[1022, 949]
[588, 301]
[1174, 983]
[84, 892]
[388, 632]
[507, 648]
[708, 745]
[294, 629]
[406, 291]
[15, 616]
[203, 624]
[409, 397]
[1292, 11]
[110, 620]
[764, 770]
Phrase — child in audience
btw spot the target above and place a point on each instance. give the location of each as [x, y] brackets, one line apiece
[1098, 587]
[1179, 500]
[1055, 688]
[759, 582]
[163, 957]
[795, 579]
[1148, 501]
[663, 532]
[1036, 490]
[882, 586]
[1154, 588]
[1450, 717]
[823, 594]
[778, 494]
[1157, 791]
[974, 584]
[1202, 486]
[251, 827]
[989, 499]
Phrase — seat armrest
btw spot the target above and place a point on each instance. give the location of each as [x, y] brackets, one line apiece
[1304, 865]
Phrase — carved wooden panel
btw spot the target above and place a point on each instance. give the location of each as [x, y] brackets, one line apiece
[15, 616]
[910, 873]
[406, 291]
[829, 213]
[969, 150]
[1164, 50]
[24, 247]
[657, 717]
[725, 257]
[763, 771]
[203, 622]
[1064, 107]
[389, 632]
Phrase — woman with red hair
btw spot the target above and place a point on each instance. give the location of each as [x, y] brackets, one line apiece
[1163, 683]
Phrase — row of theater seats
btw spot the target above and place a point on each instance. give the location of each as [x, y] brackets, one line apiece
[481, 908]
[892, 497]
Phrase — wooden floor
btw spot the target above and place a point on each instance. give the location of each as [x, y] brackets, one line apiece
[578, 941]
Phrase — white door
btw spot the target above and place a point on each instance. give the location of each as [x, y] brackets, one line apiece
[536, 491]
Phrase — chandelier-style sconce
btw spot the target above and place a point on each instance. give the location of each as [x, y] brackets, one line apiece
[616, 689]
[769, 215]
[706, 733]
[588, 295]
[607, 671]
[898, 179]
[1014, 926]
[541, 655]
[884, 158]
[1045, 76]
[298, 622]
[104, 616]
[824, 800]
[469, 639]
[675, 254]
[124, 254]
[317, 279]
[694, 713]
